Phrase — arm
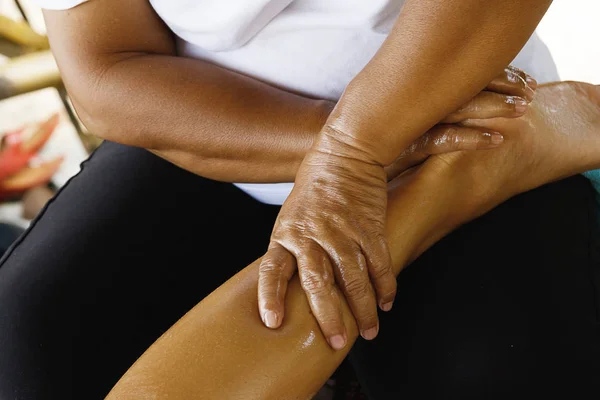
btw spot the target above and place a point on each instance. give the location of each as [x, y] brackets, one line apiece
[119, 64]
[334, 219]
[438, 55]
[220, 349]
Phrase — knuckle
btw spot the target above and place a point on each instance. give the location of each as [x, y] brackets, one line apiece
[377, 247]
[316, 283]
[382, 272]
[357, 287]
[269, 266]
[314, 262]
[357, 258]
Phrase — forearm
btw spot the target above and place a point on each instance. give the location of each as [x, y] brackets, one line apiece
[119, 63]
[438, 55]
[210, 121]
[221, 349]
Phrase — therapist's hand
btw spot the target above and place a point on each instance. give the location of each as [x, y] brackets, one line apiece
[558, 137]
[333, 224]
[331, 229]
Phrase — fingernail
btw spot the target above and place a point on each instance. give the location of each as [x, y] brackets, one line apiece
[521, 105]
[496, 138]
[270, 319]
[337, 342]
[370, 334]
[532, 83]
[387, 306]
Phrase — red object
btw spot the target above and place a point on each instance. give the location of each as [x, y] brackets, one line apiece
[15, 174]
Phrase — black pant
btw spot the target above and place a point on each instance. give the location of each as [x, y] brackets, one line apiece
[132, 243]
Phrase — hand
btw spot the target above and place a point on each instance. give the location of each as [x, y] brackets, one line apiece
[341, 193]
[508, 95]
[558, 137]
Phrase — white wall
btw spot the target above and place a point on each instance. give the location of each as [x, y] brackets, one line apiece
[571, 29]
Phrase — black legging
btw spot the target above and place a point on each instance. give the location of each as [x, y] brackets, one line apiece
[129, 245]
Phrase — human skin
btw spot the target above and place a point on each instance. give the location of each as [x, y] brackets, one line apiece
[221, 349]
[117, 58]
[438, 55]
[120, 67]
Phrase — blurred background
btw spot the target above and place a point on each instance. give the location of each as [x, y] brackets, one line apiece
[42, 141]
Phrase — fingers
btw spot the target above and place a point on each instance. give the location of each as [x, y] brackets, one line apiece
[514, 82]
[489, 105]
[352, 275]
[444, 139]
[379, 263]
[276, 269]
[507, 96]
[449, 138]
[318, 281]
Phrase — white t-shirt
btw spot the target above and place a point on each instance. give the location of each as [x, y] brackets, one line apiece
[312, 47]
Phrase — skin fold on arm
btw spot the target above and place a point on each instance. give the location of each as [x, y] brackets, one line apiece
[221, 348]
[119, 64]
[439, 54]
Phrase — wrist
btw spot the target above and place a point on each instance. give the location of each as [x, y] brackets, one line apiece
[336, 142]
[314, 120]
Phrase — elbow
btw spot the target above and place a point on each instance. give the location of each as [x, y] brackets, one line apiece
[102, 105]
[93, 121]
[103, 118]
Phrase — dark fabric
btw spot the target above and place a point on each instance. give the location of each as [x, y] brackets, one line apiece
[8, 234]
[113, 261]
[504, 308]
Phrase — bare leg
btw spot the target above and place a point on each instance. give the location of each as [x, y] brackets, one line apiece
[220, 349]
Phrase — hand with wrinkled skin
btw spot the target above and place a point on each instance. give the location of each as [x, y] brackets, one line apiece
[241, 359]
[341, 193]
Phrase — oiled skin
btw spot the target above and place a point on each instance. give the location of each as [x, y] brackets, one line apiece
[221, 350]
[120, 66]
[331, 227]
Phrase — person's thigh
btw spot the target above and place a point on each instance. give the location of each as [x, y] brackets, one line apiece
[504, 308]
[121, 253]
